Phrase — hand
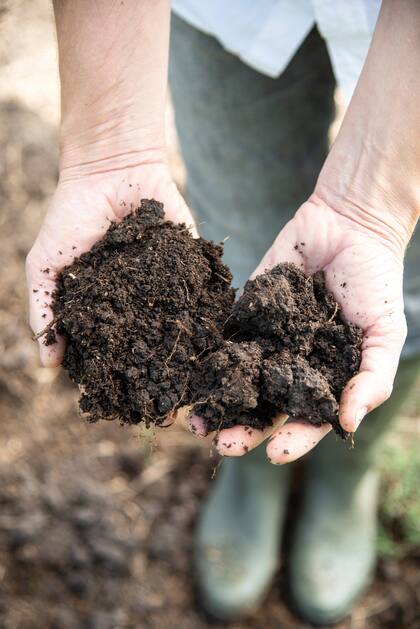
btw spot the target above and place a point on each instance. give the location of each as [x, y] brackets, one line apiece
[363, 266]
[112, 138]
[356, 226]
[79, 214]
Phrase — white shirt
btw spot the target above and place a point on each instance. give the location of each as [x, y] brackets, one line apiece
[265, 34]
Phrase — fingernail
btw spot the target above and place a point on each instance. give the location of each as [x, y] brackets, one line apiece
[190, 424]
[195, 426]
[360, 415]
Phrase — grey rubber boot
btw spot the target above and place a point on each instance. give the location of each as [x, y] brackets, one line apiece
[334, 548]
[238, 536]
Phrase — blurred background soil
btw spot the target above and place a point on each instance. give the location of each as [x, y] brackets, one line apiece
[96, 521]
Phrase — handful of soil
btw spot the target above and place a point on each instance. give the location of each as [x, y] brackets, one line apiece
[151, 324]
[138, 310]
[286, 350]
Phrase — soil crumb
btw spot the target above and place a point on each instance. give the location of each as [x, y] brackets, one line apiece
[151, 324]
[138, 310]
[287, 349]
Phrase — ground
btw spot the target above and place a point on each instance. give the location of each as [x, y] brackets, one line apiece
[96, 521]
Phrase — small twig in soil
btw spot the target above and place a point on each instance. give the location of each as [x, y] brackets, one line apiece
[211, 325]
[223, 278]
[35, 337]
[334, 313]
[186, 290]
[173, 350]
[204, 401]
[232, 335]
[181, 326]
[229, 317]
[182, 393]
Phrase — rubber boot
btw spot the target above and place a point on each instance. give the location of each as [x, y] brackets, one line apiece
[238, 537]
[334, 548]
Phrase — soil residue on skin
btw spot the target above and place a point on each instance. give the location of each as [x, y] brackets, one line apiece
[151, 324]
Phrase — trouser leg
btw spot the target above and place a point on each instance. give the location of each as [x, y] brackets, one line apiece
[334, 547]
[253, 147]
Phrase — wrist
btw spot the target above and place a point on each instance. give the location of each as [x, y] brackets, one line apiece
[372, 193]
[112, 143]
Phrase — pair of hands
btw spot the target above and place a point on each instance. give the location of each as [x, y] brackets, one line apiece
[355, 226]
[352, 252]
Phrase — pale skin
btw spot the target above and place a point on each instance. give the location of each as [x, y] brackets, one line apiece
[355, 226]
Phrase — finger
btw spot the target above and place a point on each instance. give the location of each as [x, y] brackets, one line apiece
[190, 421]
[293, 440]
[239, 440]
[373, 384]
[196, 425]
[52, 355]
[41, 286]
[366, 391]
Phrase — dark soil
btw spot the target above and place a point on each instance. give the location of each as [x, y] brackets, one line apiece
[138, 311]
[289, 352]
[151, 326]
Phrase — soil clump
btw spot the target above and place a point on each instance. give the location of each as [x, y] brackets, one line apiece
[152, 325]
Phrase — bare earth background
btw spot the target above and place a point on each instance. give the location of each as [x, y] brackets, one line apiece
[96, 521]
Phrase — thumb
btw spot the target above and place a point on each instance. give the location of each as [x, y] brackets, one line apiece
[373, 384]
[41, 285]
